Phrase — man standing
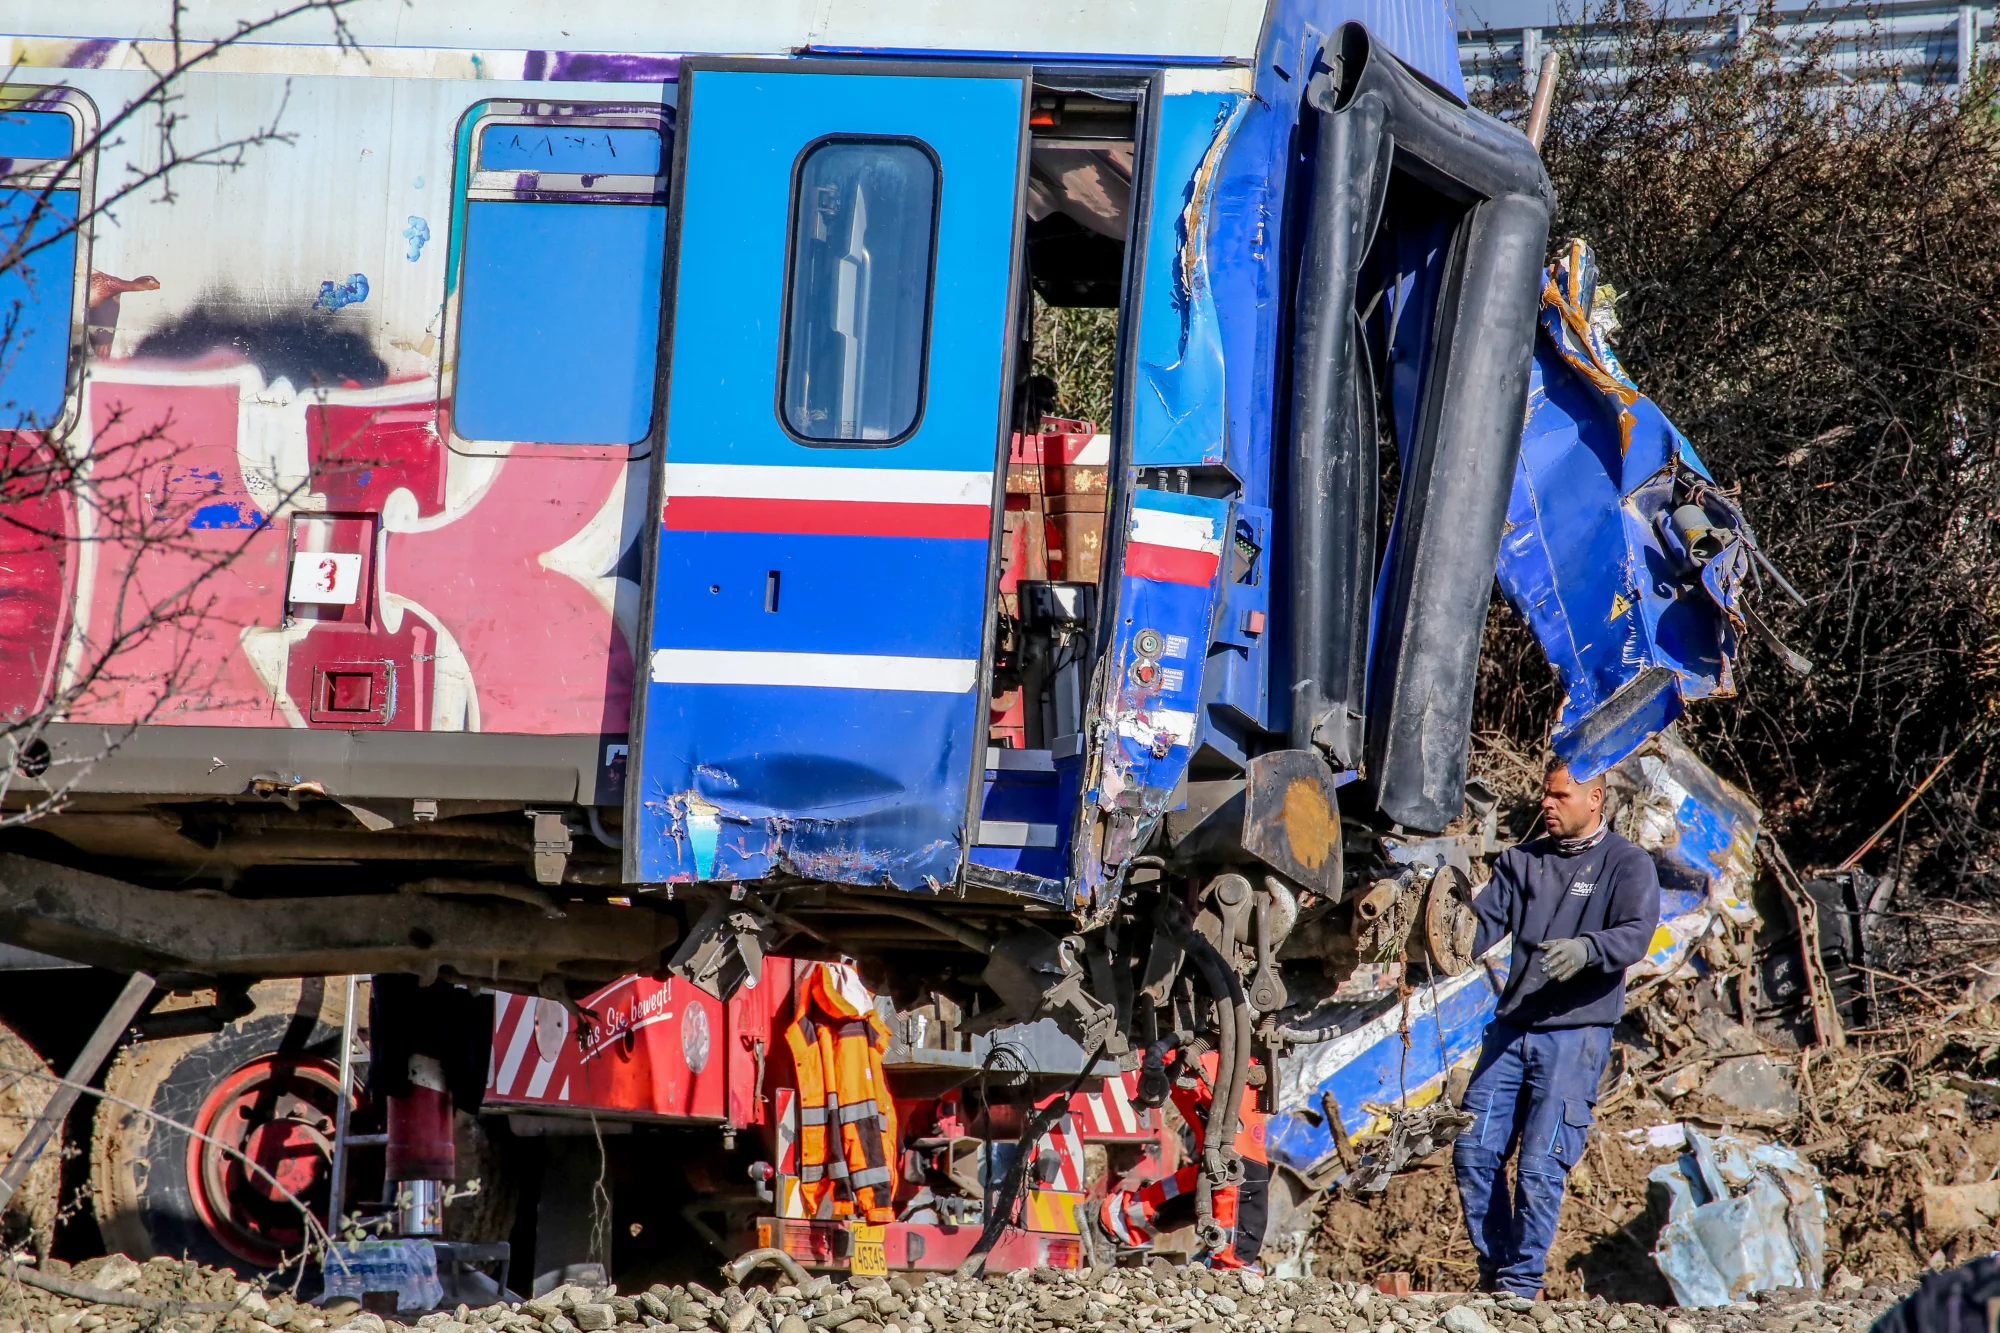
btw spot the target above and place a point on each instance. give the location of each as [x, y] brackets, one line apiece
[1582, 904]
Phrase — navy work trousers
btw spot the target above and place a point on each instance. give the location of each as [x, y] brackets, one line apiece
[1534, 1091]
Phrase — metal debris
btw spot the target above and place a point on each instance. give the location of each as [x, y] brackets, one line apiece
[1411, 1134]
[1740, 1220]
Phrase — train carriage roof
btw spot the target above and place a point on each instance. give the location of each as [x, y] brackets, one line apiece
[1206, 31]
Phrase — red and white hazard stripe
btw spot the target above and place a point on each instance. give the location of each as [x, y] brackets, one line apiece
[1107, 1112]
[519, 1067]
[1110, 1114]
[790, 1202]
[788, 1131]
[1066, 1145]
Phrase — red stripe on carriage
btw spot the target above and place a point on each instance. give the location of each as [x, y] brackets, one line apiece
[1170, 564]
[827, 518]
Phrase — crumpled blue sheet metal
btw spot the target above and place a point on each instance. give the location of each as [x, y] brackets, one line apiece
[1700, 830]
[1740, 1219]
[1621, 551]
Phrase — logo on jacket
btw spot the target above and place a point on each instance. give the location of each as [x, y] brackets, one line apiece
[1581, 888]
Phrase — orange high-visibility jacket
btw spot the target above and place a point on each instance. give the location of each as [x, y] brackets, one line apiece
[847, 1122]
[1193, 1104]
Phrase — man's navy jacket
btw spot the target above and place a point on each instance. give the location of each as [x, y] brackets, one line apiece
[1607, 896]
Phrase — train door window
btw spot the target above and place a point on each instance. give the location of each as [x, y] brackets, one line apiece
[857, 312]
[44, 263]
[559, 274]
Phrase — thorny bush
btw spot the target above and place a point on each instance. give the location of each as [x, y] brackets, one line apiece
[1807, 265]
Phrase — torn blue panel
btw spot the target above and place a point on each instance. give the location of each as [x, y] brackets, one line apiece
[1258, 217]
[828, 781]
[1372, 1064]
[1179, 407]
[781, 796]
[1151, 691]
[1700, 830]
[1619, 550]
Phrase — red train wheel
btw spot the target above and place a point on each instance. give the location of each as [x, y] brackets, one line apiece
[279, 1114]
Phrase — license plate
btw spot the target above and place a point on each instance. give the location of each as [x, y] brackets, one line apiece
[870, 1258]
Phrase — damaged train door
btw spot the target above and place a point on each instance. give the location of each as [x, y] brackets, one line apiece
[816, 622]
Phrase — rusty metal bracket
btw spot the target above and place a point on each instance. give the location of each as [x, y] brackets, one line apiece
[1291, 819]
[1825, 1010]
[1450, 926]
[724, 948]
[553, 845]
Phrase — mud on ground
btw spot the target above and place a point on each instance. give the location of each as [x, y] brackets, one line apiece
[1880, 1123]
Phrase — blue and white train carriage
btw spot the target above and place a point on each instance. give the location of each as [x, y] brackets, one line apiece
[623, 416]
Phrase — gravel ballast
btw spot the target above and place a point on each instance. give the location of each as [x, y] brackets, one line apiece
[1157, 1299]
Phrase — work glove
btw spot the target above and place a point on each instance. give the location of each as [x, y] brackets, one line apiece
[1563, 959]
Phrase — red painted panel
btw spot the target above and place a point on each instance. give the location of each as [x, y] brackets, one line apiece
[659, 1050]
[757, 1018]
[546, 655]
[179, 559]
[173, 522]
[652, 1053]
[362, 454]
[1170, 564]
[37, 531]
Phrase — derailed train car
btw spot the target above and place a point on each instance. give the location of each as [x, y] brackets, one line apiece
[543, 514]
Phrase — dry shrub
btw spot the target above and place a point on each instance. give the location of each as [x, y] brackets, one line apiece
[1077, 348]
[1808, 268]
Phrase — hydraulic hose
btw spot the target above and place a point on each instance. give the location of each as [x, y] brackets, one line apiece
[739, 1268]
[1154, 1089]
[1233, 1049]
[1232, 1063]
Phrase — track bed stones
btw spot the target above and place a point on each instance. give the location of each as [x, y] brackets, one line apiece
[173, 1297]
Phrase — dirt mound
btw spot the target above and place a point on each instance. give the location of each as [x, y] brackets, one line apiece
[1905, 1137]
[1603, 1248]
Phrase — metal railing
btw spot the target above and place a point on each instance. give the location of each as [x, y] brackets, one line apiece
[1918, 42]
